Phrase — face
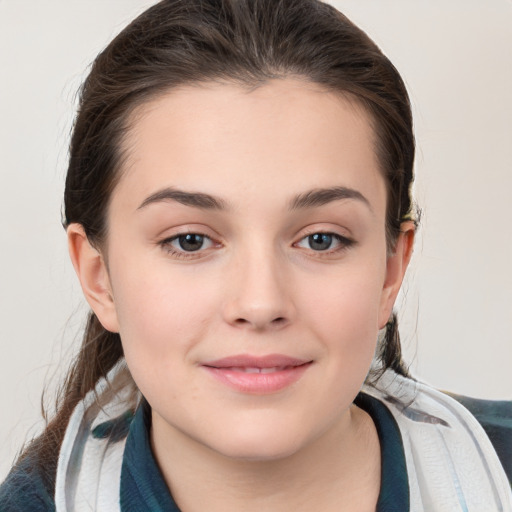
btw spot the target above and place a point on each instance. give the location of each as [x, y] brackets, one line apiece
[247, 265]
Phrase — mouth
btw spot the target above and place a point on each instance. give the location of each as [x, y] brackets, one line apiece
[257, 374]
[245, 369]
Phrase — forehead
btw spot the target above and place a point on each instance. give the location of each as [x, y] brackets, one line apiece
[284, 136]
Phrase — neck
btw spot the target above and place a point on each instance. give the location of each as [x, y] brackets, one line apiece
[340, 470]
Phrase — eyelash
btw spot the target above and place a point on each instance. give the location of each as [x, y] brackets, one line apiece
[183, 254]
[343, 244]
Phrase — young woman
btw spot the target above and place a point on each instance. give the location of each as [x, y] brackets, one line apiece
[239, 216]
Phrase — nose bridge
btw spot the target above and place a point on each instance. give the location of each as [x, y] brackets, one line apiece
[259, 293]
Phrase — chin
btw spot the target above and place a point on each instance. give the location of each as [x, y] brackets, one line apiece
[260, 444]
[259, 452]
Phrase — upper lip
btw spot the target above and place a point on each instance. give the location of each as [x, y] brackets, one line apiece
[249, 361]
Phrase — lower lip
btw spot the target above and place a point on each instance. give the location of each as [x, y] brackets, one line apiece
[258, 383]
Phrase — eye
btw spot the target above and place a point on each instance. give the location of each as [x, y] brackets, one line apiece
[324, 242]
[320, 241]
[190, 242]
[187, 243]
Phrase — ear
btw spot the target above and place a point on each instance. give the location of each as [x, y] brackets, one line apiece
[396, 266]
[92, 272]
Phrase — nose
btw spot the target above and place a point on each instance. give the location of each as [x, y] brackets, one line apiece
[259, 294]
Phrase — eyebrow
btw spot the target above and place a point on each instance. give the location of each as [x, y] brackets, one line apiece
[195, 199]
[322, 196]
[310, 199]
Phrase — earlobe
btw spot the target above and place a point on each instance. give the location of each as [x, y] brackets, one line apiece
[396, 267]
[92, 273]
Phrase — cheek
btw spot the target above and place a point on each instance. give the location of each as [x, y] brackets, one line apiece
[161, 319]
[160, 313]
[344, 315]
[347, 304]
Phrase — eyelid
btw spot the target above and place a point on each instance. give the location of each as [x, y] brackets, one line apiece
[328, 229]
[177, 238]
[166, 243]
[344, 242]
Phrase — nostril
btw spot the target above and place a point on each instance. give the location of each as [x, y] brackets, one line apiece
[276, 322]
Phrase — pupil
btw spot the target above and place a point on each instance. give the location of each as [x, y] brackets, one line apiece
[191, 242]
[320, 241]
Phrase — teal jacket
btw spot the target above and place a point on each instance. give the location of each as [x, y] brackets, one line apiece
[142, 487]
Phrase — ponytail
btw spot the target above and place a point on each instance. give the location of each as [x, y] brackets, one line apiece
[388, 354]
[99, 352]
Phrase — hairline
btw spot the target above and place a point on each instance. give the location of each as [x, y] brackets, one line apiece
[141, 106]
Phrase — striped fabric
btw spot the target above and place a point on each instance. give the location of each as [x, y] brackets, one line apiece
[436, 456]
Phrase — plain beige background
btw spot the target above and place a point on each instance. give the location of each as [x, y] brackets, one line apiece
[456, 58]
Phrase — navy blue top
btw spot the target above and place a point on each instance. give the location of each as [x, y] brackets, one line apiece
[143, 486]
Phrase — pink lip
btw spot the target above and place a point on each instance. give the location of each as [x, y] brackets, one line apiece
[257, 374]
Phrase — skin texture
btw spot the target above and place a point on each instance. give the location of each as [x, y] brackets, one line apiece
[257, 286]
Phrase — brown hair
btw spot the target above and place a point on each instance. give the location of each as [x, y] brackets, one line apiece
[249, 42]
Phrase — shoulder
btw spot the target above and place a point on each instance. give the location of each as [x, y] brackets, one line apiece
[449, 455]
[25, 490]
[495, 416]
